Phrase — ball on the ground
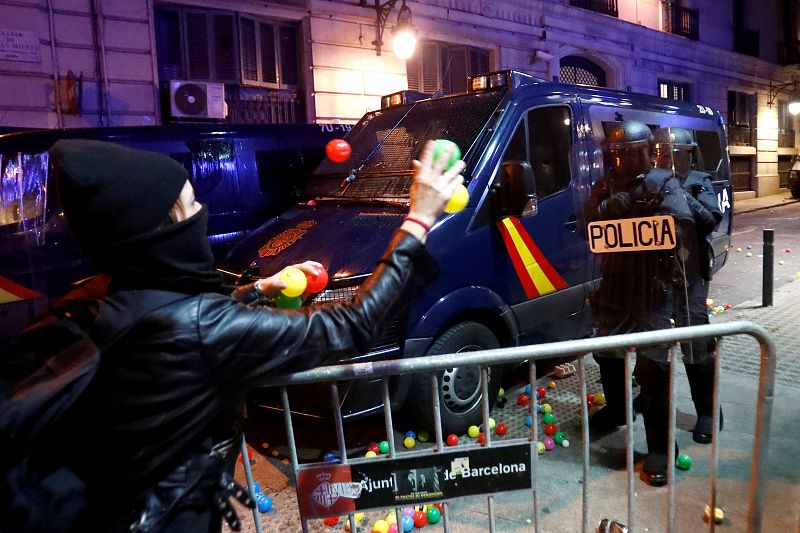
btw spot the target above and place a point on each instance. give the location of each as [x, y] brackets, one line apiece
[502, 429]
[373, 447]
[473, 432]
[380, 526]
[547, 408]
[528, 421]
[420, 519]
[599, 399]
[528, 389]
[719, 515]
[409, 442]
[407, 523]
[433, 515]
[550, 429]
[331, 521]
[549, 418]
[523, 400]
[684, 462]
[541, 392]
[749, 254]
[423, 436]
[501, 392]
[540, 449]
[482, 438]
[551, 385]
[492, 423]
[565, 443]
[383, 446]
[370, 453]
[452, 439]
[549, 443]
[559, 437]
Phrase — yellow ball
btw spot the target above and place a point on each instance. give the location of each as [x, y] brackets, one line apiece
[391, 518]
[381, 526]
[492, 423]
[458, 201]
[709, 301]
[547, 408]
[749, 254]
[295, 281]
[370, 454]
[409, 442]
[738, 249]
[540, 449]
[551, 385]
[719, 515]
[473, 432]
[599, 399]
[358, 516]
[502, 391]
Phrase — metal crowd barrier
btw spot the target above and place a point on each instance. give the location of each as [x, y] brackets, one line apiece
[579, 349]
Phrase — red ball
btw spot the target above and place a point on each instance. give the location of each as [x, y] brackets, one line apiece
[331, 521]
[523, 400]
[590, 398]
[482, 438]
[420, 519]
[452, 439]
[501, 429]
[374, 448]
[541, 391]
[338, 150]
[550, 429]
[440, 507]
[589, 402]
[316, 283]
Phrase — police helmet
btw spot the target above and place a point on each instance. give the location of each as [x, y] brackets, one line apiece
[629, 134]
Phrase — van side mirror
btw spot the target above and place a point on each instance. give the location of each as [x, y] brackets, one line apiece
[517, 189]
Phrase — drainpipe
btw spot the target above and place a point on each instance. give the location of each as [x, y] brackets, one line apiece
[54, 61]
[101, 66]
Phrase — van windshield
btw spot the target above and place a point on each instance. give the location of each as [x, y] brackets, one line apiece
[385, 142]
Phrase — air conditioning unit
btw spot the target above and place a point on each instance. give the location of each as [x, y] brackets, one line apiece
[198, 100]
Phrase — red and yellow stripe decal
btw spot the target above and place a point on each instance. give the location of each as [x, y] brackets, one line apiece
[12, 292]
[537, 275]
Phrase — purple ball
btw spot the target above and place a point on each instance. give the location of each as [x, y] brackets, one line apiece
[549, 443]
[408, 511]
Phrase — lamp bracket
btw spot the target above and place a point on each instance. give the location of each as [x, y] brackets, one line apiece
[382, 11]
[776, 88]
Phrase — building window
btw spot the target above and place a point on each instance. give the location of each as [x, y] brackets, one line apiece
[785, 126]
[578, 70]
[739, 112]
[673, 90]
[444, 68]
[606, 7]
[681, 20]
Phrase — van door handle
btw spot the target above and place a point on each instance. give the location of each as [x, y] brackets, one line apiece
[572, 223]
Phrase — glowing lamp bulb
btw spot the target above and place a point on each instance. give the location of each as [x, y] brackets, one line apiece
[404, 43]
[794, 108]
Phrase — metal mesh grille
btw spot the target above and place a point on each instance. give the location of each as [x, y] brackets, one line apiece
[578, 76]
[344, 294]
[384, 169]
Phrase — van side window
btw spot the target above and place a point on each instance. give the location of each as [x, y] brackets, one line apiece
[710, 153]
[550, 134]
[517, 147]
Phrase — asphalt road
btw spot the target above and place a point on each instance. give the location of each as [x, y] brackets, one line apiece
[740, 280]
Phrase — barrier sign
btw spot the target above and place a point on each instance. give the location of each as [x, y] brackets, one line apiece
[632, 234]
[336, 489]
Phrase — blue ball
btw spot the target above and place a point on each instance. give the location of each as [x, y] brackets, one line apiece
[332, 457]
[537, 394]
[256, 487]
[528, 420]
[538, 408]
[264, 502]
[408, 523]
[528, 389]
[411, 434]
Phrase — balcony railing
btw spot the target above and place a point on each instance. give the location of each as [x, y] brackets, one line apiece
[739, 135]
[606, 7]
[255, 105]
[683, 21]
[746, 42]
[786, 139]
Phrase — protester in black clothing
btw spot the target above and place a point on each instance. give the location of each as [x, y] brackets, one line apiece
[675, 149]
[163, 405]
[637, 288]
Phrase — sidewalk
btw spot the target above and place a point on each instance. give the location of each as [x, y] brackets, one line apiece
[764, 202]
[559, 476]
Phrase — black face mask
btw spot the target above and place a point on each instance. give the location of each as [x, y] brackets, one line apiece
[175, 257]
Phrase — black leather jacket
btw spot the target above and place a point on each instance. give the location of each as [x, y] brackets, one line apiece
[180, 375]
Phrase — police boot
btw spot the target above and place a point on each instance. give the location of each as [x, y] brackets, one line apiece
[612, 374]
[701, 383]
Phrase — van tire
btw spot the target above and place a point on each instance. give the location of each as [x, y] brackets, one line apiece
[463, 407]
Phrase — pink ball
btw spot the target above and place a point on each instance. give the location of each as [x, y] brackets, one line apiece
[392, 528]
[549, 443]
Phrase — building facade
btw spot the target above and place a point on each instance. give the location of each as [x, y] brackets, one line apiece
[74, 63]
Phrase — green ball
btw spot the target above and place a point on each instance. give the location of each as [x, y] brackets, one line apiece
[423, 436]
[288, 302]
[473, 432]
[540, 448]
[684, 462]
[433, 515]
[383, 446]
[559, 437]
[439, 146]
[549, 418]
[547, 408]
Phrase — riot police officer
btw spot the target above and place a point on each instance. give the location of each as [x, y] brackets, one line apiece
[675, 148]
[637, 288]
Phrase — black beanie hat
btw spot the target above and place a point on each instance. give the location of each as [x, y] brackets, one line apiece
[111, 193]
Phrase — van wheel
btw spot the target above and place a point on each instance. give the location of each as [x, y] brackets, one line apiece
[459, 387]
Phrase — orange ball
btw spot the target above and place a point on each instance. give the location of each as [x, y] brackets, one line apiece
[338, 150]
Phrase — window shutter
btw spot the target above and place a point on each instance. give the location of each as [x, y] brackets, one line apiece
[445, 59]
[197, 46]
[289, 54]
[168, 44]
[224, 48]
[478, 62]
[248, 45]
[429, 55]
[413, 74]
[458, 70]
[269, 65]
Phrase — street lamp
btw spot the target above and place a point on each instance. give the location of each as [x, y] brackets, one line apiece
[794, 107]
[776, 88]
[405, 34]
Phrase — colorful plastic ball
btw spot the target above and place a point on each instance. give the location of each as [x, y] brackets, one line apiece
[780, 262]
[264, 502]
[501, 392]
[295, 281]
[288, 302]
[358, 517]
[380, 526]
[549, 443]
[728, 306]
[440, 145]
[409, 442]
[331, 521]
[440, 507]
[684, 462]
[719, 515]
[550, 429]
[452, 439]
[738, 249]
[373, 447]
[749, 254]
[458, 200]
[749, 246]
[407, 523]
[317, 283]
[501, 429]
[331, 457]
[590, 398]
[433, 515]
[420, 519]
[589, 402]
[549, 418]
[256, 487]
[383, 446]
[565, 443]
[412, 434]
[559, 437]
[391, 517]
[538, 408]
[473, 432]
[599, 399]
[370, 454]
[408, 511]
[523, 400]
[540, 449]
[392, 527]
[528, 389]
[788, 250]
[551, 385]
[423, 436]
[547, 408]
[338, 150]
[482, 438]
[541, 391]
[492, 423]
[528, 421]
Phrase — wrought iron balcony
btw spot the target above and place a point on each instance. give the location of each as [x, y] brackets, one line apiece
[606, 7]
[683, 21]
[739, 135]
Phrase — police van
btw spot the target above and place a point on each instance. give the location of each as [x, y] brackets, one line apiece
[243, 173]
[516, 263]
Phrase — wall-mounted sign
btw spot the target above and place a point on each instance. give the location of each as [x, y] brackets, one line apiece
[17, 45]
[330, 490]
[632, 234]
